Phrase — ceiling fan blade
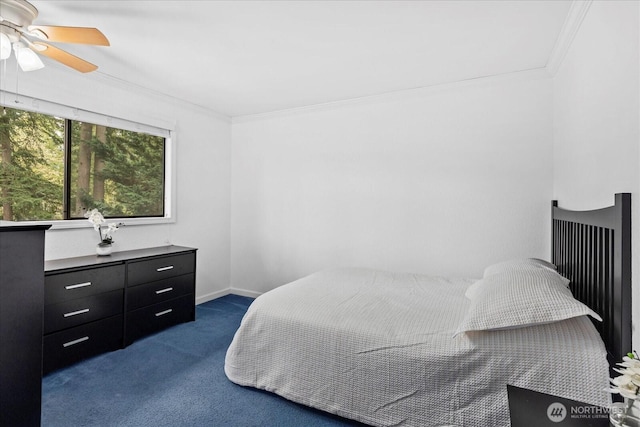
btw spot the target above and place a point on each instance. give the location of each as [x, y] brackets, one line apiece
[82, 35]
[63, 57]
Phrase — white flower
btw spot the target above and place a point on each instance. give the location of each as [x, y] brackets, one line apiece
[628, 383]
[112, 228]
[97, 219]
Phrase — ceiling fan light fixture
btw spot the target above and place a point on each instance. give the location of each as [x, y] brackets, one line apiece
[27, 59]
[27, 40]
[5, 46]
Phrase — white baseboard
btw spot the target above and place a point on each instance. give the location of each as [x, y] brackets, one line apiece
[212, 296]
[217, 294]
[244, 292]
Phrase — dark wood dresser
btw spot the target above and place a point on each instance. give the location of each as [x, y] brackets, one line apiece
[21, 295]
[96, 304]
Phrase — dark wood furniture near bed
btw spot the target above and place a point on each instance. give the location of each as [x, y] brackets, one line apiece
[21, 292]
[593, 250]
[98, 304]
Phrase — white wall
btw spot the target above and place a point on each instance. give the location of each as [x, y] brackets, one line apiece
[597, 118]
[441, 181]
[203, 141]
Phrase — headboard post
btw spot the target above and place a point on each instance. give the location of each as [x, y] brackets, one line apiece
[622, 275]
[593, 250]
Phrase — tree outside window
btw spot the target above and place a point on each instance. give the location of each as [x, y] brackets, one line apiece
[53, 168]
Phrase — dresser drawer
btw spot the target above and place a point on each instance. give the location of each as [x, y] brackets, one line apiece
[159, 291]
[150, 270]
[74, 312]
[72, 345]
[148, 320]
[82, 283]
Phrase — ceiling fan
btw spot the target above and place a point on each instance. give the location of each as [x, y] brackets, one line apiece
[28, 41]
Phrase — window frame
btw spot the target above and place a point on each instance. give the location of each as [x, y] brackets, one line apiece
[70, 113]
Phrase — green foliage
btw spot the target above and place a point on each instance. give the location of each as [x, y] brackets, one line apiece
[134, 164]
[31, 168]
[119, 172]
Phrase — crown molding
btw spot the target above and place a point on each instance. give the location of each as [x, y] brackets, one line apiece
[577, 11]
[531, 74]
[132, 87]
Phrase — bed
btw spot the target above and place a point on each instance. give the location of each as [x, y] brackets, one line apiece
[391, 349]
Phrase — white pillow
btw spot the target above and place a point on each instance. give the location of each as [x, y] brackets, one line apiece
[523, 264]
[515, 299]
[518, 264]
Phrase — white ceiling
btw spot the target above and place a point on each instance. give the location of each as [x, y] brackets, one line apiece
[246, 57]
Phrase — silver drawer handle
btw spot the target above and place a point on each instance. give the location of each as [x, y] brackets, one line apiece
[169, 267]
[75, 313]
[74, 342]
[162, 291]
[79, 285]
[162, 313]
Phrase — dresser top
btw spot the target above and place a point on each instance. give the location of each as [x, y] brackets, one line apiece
[18, 227]
[114, 258]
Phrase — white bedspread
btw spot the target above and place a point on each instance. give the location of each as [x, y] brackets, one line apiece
[377, 347]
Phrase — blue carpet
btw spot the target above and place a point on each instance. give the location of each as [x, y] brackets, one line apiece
[173, 378]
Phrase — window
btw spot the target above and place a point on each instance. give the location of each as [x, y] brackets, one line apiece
[53, 168]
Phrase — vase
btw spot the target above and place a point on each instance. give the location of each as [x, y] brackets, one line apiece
[625, 414]
[104, 249]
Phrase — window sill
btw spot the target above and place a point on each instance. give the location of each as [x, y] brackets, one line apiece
[72, 224]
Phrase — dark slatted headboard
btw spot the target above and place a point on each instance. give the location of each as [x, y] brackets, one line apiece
[593, 250]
